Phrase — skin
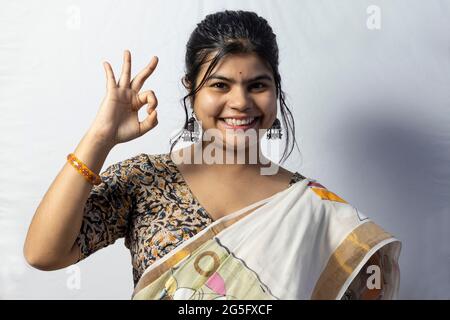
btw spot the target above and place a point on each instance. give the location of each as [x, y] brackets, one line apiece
[219, 187]
[237, 96]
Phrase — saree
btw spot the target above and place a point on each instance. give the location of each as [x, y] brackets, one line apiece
[304, 242]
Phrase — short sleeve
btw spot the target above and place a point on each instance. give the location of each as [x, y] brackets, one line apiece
[359, 290]
[107, 209]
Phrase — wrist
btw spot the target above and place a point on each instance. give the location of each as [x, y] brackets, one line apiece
[99, 140]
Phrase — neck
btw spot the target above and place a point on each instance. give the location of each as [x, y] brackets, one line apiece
[195, 154]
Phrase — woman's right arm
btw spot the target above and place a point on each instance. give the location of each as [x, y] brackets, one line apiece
[51, 239]
[50, 242]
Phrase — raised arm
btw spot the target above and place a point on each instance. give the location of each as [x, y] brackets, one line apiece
[51, 239]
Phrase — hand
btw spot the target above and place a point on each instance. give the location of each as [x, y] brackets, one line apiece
[117, 119]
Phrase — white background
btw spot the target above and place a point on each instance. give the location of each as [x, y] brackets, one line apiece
[371, 108]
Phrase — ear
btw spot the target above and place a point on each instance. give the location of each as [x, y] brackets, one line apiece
[186, 83]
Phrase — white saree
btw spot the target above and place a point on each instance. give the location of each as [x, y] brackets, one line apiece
[304, 242]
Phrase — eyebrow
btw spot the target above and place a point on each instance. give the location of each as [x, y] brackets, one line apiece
[220, 77]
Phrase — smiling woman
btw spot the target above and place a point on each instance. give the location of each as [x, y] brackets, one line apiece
[211, 230]
[244, 98]
[239, 49]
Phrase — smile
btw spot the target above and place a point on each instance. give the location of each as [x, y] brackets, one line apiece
[230, 123]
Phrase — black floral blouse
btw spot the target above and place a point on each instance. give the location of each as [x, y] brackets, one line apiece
[145, 200]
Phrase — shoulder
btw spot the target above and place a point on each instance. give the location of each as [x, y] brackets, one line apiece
[146, 167]
[330, 198]
[160, 162]
[143, 163]
[138, 167]
[139, 171]
[322, 193]
[335, 217]
[120, 170]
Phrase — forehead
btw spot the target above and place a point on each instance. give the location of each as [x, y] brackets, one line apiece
[237, 64]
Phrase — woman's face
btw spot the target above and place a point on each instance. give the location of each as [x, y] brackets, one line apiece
[241, 86]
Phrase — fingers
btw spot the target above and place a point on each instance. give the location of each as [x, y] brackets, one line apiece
[151, 120]
[138, 81]
[148, 123]
[124, 81]
[110, 79]
[148, 97]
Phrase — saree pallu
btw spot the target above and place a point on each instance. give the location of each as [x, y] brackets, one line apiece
[304, 242]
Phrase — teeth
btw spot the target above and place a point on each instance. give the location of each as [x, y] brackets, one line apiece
[236, 122]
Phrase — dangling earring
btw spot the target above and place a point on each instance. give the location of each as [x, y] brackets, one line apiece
[191, 132]
[274, 132]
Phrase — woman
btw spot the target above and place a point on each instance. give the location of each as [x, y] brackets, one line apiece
[198, 225]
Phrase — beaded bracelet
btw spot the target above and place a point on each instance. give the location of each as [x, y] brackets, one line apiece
[83, 169]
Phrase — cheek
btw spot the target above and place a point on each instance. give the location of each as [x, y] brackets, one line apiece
[208, 105]
[268, 107]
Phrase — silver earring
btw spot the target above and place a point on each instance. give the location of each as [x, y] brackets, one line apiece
[192, 131]
[274, 132]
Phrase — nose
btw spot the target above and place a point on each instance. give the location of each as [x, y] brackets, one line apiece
[239, 99]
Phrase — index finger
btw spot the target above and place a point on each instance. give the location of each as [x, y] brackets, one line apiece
[138, 81]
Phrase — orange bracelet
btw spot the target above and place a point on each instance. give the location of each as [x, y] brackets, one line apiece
[83, 169]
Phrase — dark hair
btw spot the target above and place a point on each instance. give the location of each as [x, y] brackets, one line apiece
[229, 32]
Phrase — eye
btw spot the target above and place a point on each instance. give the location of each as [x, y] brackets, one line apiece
[214, 85]
[259, 85]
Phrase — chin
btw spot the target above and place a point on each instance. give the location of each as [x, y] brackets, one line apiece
[242, 143]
